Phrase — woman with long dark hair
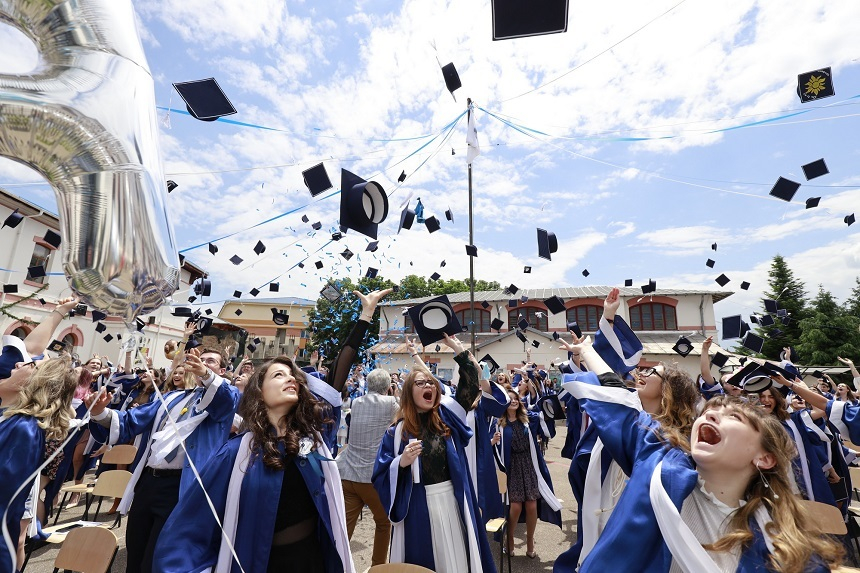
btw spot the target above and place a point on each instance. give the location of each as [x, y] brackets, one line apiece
[276, 489]
[434, 496]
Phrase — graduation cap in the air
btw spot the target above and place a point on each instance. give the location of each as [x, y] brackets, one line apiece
[363, 204]
[254, 292]
[521, 336]
[734, 326]
[171, 185]
[849, 219]
[751, 377]
[274, 287]
[204, 99]
[766, 320]
[573, 327]
[713, 246]
[472, 250]
[585, 272]
[650, 287]
[555, 335]
[719, 359]
[432, 224]
[402, 177]
[13, 220]
[815, 169]
[318, 264]
[784, 189]
[330, 292]
[815, 85]
[259, 248]
[547, 244]
[536, 343]
[722, 280]
[192, 298]
[238, 312]
[435, 277]
[36, 271]
[745, 285]
[237, 293]
[372, 246]
[628, 282]
[316, 179]
[497, 324]
[683, 346]
[371, 273]
[771, 305]
[213, 248]
[108, 338]
[100, 327]
[98, 316]
[55, 346]
[522, 323]
[236, 260]
[52, 238]
[516, 19]
[527, 269]
[485, 304]
[492, 364]
[812, 202]
[10, 288]
[449, 214]
[279, 317]
[753, 341]
[407, 217]
[203, 287]
[554, 304]
[452, 78]
[433, 319]
[550, 405]
[347, 254]
[338, 235]
[181, 311]
[710, 263]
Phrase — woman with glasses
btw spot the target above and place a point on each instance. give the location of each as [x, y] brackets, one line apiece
[529, 482]
[422, 474]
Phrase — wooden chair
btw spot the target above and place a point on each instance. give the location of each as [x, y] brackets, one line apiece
[72, 487]
[88, 550]
[398, 568]
[111, 483]
[824, 518]
[499, 526]
[121, 455]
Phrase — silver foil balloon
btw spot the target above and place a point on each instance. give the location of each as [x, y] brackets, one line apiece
[86, 120]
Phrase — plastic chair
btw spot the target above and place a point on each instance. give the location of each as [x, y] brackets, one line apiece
[111, 483]
[88, 550]
[499, 526]
[398, 568]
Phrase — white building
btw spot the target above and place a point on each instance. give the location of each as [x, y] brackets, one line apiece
[23, 247]
[658, 319]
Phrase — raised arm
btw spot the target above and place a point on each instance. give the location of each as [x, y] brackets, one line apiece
[801, 389]
[582, 348]
[342, 364]
[468, 387]
[705, 361]
[38, 340]
[850, 364]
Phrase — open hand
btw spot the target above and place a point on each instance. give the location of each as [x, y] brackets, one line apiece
[410, 454]
[97, 401]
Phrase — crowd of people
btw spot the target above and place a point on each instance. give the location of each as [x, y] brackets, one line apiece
[268, 468]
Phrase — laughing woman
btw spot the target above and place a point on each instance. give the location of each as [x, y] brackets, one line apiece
[422, 475]
[275, 488]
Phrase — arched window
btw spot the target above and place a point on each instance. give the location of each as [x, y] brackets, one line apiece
[587, 316]
[406, 323]
[20, 332]
[530, 314]
[653, 316]
[482, 319]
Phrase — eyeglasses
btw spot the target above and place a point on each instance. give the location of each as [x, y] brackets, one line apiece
[214, 361]
[646, 372]
[425, 383]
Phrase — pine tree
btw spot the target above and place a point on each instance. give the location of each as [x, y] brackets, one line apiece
[852, 303]
[827, 332]
[790, 295]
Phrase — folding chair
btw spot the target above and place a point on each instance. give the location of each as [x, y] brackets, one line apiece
[111, 483]
[499, 525]
[398, 568]
[88, 550]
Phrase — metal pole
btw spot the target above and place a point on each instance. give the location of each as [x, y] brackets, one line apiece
[471, 242]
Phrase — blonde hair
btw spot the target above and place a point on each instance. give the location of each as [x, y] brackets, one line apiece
[677, 406]
[47, 396]
[794, 545]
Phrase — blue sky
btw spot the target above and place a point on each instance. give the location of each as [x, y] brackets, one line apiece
[354, 83]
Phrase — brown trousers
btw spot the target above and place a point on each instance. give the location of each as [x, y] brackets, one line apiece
[355, 496]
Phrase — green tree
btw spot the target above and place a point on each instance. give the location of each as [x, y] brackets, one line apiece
[827, 332]
[852, 303]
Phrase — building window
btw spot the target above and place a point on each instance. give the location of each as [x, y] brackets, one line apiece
[653, 316]
[407, 324]
[587, 316]
[20, 332]
[41, 258]
[482, 319]
[530, 314]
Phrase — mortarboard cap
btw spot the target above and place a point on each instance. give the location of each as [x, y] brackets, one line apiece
[57, 346]
[100, 328]
[536, 343]
[236, 260]
[204, 99]
[812, 202]
[442, 264]
[555, 335]
[628, 282]
[784, 189]
[550, 405]
[485, 304]
[192, 343]
[753, 342]
[259, 248]
[43, 302]
[35, 272]
[108, 338]
[316, 226]
[745, 285]
[52, 239]
[771, 305]
[432, 224]
[279, 317]
[98, 316]
[713, 246]
[650, 287]
[547, 244]
[337, 235]
[523, 323]
[512, 289]
[786, 320]
[363, 204]
[815, 169]
[254, 292]
[213, 248]
[815, 85]
[683, 346]
[449, 214]
[181, 259]
[585, 272]
[497, 324]
[318, 264]
[330, 292]
[10, 289]
[407, 217]
[13, 220]
[203, 287]
[732, 326]
[751, 378]
[371, 273]
[554, 304]
[237, 293]
[274, 287]
[849, 219]
[521, 336]
[754, 318]
[433, 319]
[300, 264]
[435, 277]
[305, 219]
[722, 280]
[574, 328]
[372, 246]
[452, 78]
[181, 311]
[512, 303]
[472, 250]
[514, 19]
[719, 359]
[347, 254]
[524, 299]
[402, 177]
[488, 360]
[766, 320]
[151, 320]
[192, 298]
[527, 269]
[238, 312]
[710, 263]
[316, 180]
[171, 185]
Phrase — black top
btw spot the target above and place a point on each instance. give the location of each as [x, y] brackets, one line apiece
[295, 504]
[434, 454]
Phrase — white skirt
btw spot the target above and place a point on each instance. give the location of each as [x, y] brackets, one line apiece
[446, 529]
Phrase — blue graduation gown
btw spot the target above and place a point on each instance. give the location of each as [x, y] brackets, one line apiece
[813, 447]
[545, 511]
[485, 482]
[632, 539]
[22, 451]
[407, 505]
[191, 538]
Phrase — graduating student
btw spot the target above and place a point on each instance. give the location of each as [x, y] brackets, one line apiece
[275, 488]
[709, 386]
[718, 499]
[41, 411]
[432, 505]
[529, 482]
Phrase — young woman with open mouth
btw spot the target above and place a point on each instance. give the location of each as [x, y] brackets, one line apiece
[422, 475]
[717, 499]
